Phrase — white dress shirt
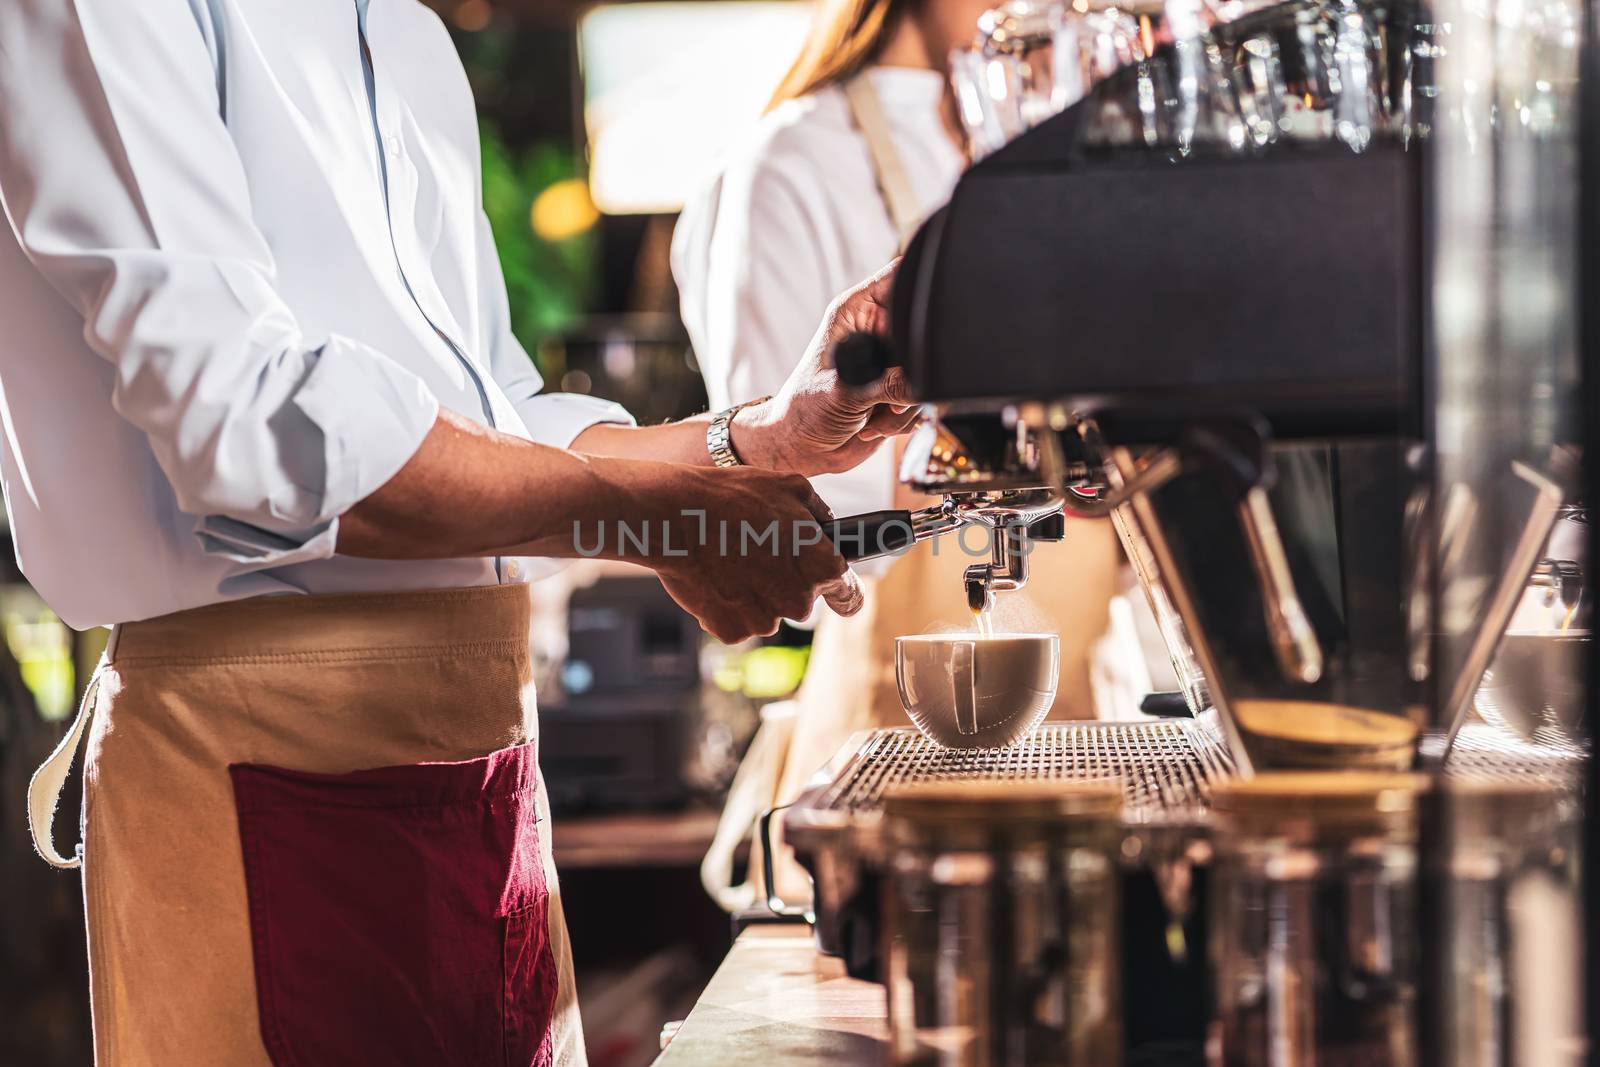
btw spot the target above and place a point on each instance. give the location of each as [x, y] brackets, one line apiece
[793, 218]
[246, 264]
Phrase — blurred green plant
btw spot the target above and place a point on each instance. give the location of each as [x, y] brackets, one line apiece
[549, 281]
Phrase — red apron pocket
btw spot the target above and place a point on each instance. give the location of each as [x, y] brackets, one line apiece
[398, 915]
[529, 987]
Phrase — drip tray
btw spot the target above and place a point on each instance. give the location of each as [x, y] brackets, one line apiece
[1483, 750]
[1166, 767]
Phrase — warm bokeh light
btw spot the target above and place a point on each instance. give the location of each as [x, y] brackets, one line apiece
[473, 15]
[563, 210]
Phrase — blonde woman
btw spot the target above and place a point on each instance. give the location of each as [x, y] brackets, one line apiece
[859, 146]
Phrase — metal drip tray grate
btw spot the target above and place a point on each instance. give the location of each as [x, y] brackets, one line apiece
[1167, 767]
[1486, 751]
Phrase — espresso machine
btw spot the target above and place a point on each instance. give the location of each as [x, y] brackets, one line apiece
[1290, 293]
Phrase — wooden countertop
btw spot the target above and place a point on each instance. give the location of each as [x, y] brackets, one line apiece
[778, 1002]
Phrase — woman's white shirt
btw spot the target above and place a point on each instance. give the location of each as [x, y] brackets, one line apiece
[793, 218]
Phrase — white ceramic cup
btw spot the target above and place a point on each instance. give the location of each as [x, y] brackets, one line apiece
[967, 691]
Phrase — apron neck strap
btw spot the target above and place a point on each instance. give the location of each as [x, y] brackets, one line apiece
[894, 183]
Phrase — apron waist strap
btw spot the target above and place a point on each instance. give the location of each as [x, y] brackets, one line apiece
[894, 183]
[44, 788]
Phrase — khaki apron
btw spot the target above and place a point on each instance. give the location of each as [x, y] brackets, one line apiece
[314, 832]
[850, 683]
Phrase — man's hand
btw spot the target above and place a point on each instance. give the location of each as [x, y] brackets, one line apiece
[739, 549]
[817, 424]
[753, 552]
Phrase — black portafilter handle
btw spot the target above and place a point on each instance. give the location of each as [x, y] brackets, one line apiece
[877, 533]
[862, 358]
[885, 533]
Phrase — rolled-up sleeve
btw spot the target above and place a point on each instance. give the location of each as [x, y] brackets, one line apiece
[126, 192]
[554, 419]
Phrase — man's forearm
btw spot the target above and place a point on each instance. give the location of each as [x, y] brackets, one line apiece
[738, 549]
[472, 491]
[753, 437]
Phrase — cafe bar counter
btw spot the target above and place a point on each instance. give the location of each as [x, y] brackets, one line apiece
[778, 1002]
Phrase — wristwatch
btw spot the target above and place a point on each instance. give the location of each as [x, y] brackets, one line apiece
[719, 436]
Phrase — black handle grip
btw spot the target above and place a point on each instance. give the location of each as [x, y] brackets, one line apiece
[861, 358]
[1050, 528]
[1166, 705]
[879, 533]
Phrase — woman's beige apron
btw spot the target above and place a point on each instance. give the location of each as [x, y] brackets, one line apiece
[850, 683]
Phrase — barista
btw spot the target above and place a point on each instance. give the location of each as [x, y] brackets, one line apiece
[266, 418]
[860, 145]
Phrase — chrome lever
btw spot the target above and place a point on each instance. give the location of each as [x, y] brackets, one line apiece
[1294, 642]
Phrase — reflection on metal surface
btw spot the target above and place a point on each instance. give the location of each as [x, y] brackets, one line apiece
[1293, 641]
[1003, 946]
[1166, 573]
[956, 453]
[1006, 571]
[1313, 902]
[1508, 587]
[1500, 109]
[1508, 855]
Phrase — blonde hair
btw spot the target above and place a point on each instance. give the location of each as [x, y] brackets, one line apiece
[845, 36]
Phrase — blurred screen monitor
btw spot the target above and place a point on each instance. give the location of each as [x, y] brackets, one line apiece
[667, 86]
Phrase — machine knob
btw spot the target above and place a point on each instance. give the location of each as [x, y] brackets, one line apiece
[861, 358]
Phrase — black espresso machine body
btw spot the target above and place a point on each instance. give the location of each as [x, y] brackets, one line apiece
[1152, 293]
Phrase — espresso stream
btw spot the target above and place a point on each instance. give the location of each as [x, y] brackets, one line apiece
[985, 620]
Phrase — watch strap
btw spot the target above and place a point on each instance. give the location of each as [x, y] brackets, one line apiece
[719, 434]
